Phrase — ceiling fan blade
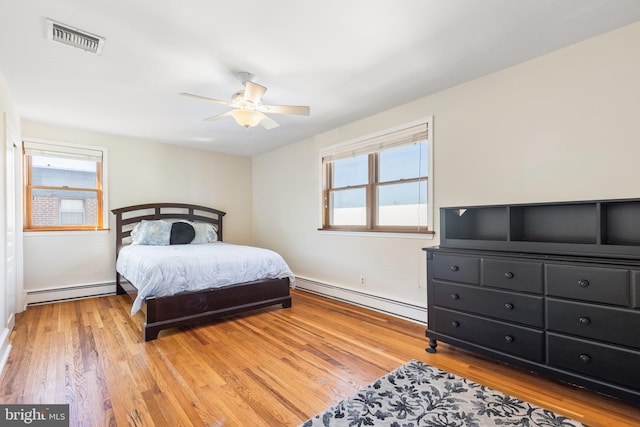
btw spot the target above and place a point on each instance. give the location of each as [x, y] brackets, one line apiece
[219, 116]
[253, 92]
[206, 98]
[268, 123]
[299, 110]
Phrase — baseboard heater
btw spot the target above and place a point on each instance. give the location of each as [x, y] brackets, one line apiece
[395, 308]
[66, 293]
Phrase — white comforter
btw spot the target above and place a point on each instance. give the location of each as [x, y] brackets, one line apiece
[167, 270]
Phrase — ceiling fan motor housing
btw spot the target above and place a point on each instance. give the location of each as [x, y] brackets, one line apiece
[238, 100]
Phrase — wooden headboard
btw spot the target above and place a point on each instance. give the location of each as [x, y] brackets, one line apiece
[129, 216]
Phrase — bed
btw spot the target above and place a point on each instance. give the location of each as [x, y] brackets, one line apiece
[187, 305]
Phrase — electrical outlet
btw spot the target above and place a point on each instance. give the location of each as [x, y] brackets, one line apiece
[363, 280]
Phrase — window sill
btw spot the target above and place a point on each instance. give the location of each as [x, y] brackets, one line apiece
[384, 234]
[102, 231]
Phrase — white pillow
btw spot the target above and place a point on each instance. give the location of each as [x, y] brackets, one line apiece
[205, 233]
[155, 232]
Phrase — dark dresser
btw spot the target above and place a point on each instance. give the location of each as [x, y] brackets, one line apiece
[551, 287]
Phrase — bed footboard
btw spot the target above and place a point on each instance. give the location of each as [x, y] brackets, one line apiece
[190, 308]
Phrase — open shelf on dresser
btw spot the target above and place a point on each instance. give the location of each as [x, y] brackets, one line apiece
[602, 228]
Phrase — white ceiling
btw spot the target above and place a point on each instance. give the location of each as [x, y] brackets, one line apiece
[347, 59]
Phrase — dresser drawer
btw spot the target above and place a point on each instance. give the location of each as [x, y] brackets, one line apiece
[612, 364]
[613, 325]
[513, 275]
[603, 285]
[525, 309]
[515, 340]
[456, 268]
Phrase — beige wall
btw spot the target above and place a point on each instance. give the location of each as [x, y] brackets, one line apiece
[138, 172]
[563, 126]
[560, 127]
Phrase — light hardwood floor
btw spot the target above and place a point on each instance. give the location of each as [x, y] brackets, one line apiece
[275, 367]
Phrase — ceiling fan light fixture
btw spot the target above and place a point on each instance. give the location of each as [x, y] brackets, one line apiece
[249, 111]
[247, 118]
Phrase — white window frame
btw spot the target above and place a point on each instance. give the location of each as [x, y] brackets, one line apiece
[359, 143]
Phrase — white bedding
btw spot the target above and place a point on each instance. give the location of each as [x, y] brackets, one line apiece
[167, 270]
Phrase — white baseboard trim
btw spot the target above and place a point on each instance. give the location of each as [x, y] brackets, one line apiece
[395, 308]
[11, 322]
[64, 293]
[23, 302]
[5, 347]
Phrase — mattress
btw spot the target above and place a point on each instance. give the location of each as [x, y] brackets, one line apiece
[159, 271]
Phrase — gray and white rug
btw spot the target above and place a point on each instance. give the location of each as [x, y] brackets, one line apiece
[417, 394]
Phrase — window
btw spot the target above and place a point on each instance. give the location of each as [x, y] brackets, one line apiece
[379, 183]
[63, 187]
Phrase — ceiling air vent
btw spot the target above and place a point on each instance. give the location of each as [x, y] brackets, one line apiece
[74, 37]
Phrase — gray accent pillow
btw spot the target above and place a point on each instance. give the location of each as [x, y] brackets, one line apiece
[182, 233]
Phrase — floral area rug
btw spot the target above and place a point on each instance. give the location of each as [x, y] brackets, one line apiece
[417, 394]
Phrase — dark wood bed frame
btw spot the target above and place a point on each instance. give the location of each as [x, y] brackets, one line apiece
[189, 308]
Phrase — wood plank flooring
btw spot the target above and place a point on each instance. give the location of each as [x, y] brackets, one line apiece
[275, 367]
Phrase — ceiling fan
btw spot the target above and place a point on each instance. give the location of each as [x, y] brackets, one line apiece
[248, 109]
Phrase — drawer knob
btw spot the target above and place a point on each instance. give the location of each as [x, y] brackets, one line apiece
[508, 338]
[584, 321]
[508, 275]
[508, 306]
[583, 283]
[455, 296]
[584, 358]
[454, 268]
[455, 324]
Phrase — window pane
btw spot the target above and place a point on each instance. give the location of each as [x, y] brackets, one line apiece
[56, 172]
[71, 205]
[407, 161]
[49, 208]
[351, 171]
[349, 207]
[71, 211]
[71, 218]
[403, 204]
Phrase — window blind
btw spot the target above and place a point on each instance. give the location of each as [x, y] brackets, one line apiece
[410, 135]
[61, 151]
